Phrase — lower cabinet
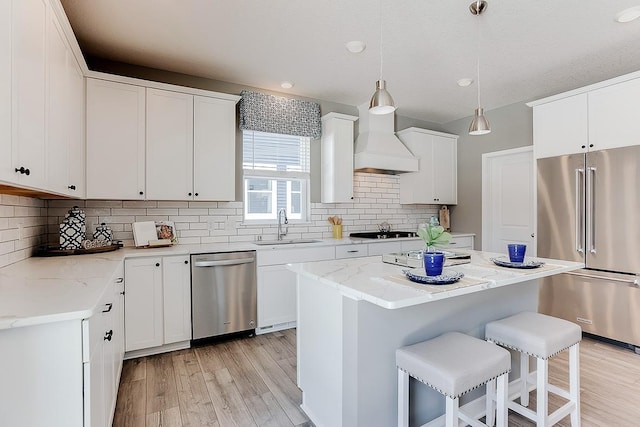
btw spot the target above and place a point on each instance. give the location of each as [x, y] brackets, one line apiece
[157, 303]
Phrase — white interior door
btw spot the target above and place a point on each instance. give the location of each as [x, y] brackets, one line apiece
[508, 200]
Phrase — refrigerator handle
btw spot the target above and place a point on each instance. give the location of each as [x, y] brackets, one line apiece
[579, 210]
[591, 192]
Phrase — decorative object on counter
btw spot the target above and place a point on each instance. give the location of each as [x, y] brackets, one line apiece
[92, 244]
[433, 263]
[433, 235]
[516, 252]
[153, 234]
[503, 261]
[103, 232]
[143, 232]
[166, 230]
[418, 275]
[49, 251]
[415, 259]
[159, 243]
[336, 223]
[73, 229]
[444, 218]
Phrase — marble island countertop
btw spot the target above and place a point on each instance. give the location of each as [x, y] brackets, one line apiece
[385, 285]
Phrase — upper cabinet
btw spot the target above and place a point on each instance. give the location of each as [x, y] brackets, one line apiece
[337, 158]
[115, 140]
[436, 181]
[593, 118]
[5, 92]
[168, 145]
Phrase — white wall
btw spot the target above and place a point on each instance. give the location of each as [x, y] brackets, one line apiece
[376, 199]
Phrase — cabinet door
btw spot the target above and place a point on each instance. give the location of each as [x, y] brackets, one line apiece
[77, 159]
[445, 170]
[115, 140]
[560, 127]
[277, 296]
[176, 279]
[28, 84]
[169, 145]
[143, 303]
[418, 187]
[58, 109]
[6, 161]
[613, 115]
[337, 158]
[214, 149]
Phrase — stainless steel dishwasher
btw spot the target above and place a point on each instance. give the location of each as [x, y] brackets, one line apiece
[223, 293]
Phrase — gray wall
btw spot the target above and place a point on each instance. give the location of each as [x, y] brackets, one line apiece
[511, 127]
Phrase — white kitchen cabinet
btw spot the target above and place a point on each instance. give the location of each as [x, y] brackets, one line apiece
[337, 158]
[352, 251]
[28, 60]
[465, 241]
[380, 248]
[6, 161]
[613, 115]
[157, 303]
[176, 296]
[115, 140]
[436, 181]
[560, 127]
[143, 303]
[277, 291]
[169, 164]
[64, 115]
[214, 148]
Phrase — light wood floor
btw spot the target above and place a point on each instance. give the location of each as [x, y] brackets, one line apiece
[252, 382]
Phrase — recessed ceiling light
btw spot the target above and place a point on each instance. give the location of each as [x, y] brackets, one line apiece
[355, 46]
[465, 82]
[286, 85]
[628, 15]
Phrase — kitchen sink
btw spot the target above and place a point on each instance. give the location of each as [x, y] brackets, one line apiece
[285, 242]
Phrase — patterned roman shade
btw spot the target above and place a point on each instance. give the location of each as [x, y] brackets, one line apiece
[275, 114]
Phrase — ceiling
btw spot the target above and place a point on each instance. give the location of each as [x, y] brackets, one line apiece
[528, 49]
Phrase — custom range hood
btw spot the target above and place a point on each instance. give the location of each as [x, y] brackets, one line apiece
[377, 148]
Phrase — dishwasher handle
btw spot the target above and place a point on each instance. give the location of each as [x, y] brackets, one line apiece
[225, 262]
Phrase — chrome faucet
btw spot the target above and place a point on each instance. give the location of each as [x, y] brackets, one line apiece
[282, 214]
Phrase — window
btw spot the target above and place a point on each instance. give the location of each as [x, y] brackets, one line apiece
[276, 175]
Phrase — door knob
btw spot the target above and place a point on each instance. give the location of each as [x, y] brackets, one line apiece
[533, 235]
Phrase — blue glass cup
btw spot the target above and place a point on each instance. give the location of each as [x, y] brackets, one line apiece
[516, 252]
[433, 263]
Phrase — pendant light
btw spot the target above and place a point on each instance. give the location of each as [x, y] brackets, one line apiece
[479, 124]
[381, 101]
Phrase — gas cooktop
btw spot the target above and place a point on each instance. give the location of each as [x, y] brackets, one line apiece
[383, 234]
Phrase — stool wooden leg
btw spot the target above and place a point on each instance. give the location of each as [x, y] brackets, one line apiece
[524, 377]
[451, 417]
[574, 383]
[490, 411]
[502, 412]
[403, 398]
[542, 395]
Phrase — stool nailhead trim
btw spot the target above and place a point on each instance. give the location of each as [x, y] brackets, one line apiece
[501, 344]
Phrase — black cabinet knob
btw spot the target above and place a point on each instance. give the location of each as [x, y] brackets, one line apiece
[584, 146]
[186, 262]
[196, 194]
[108, 335]
[141, 193]
[157, 264]
[590, 145]
[189, 194]
[71, 187]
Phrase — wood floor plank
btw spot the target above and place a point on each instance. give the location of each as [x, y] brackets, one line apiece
[290, 336]
[161, 384]
[278, 346]
[196, 407]
[229, 405]
[290, 367]
[209, 358]
[246, 378]
[167, 418]
[267, 412]
[285, 391]
[131, 404]
[134, 369]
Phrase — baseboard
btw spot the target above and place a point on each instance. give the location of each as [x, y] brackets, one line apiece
[275, 328]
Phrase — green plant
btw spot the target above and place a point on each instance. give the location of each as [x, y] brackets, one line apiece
[434, 234]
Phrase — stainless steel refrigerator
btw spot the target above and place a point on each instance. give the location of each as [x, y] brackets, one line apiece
[589, 211]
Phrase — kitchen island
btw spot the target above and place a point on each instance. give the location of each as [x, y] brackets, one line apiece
[354, 313]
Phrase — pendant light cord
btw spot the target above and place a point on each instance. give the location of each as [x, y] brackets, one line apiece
[478, 50]
[380, 16]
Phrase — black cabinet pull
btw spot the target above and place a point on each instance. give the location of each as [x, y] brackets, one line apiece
[157, 264]
[122, 293]
[109, 307]
[108, 335]
[119, 280]
[71, 187]
[23, 171]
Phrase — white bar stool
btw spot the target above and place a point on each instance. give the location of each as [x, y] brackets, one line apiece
[453, 364]
[540, 336]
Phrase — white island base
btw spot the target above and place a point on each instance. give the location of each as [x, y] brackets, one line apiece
[349, 330]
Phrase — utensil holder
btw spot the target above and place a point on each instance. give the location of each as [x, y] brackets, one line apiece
[337, 231]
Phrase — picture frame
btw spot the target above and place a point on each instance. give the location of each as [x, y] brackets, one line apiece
[166, 230]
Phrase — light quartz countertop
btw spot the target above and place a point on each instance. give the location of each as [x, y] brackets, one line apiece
[385, 285]
[51, 289]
